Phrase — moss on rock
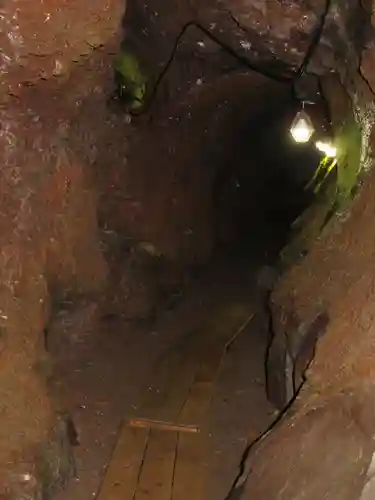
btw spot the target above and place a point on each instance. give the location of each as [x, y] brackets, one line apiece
[348, 143]
[130, 80]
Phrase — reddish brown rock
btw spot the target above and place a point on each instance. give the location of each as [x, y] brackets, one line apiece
[42, 39]
[48, 242]
[49, 236]
[337, 273]
[323, 450]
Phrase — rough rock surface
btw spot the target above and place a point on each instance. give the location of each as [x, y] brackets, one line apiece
[44, 39]
[302, 457]
[49, 237]
[367, 67]
[336, 400]
[277, 37]
[48, 228]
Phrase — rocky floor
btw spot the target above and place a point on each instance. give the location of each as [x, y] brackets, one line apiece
[101, 372]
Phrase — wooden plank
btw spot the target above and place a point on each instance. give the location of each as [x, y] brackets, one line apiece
[165, 400]
[200, 394]
[214, 352]
[172, 379]
[210, 365]
[202, 347]
[155, 482]
[165, 426]
[195, 407]
[226, 323]
[121, 479]
[189, 477]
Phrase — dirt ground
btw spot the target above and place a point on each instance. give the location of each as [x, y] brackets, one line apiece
[102, 374]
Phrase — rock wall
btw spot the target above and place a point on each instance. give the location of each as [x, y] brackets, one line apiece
[303, 457]
[278, 38]
[334, 409]
[49, 244]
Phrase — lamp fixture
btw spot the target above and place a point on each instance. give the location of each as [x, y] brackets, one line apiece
[327, 148]
[302, 128]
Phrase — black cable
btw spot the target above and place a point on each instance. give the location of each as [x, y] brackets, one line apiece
[309, 53]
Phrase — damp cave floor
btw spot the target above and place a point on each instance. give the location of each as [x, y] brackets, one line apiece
[104, 375]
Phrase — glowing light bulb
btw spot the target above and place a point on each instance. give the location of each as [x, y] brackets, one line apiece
[326, 148]
[302, 128]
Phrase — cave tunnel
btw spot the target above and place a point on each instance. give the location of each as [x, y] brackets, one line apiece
[176, 268]
[263, 186]
[230, 149]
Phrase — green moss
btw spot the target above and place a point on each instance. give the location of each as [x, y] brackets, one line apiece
[131, 82]
[348, 144]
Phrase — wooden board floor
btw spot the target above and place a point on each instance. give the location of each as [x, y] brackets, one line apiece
[160, 452]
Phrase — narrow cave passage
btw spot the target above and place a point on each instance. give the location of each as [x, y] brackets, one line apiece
[172, 284]
[221, 182]
[221, 171]
[263, 186]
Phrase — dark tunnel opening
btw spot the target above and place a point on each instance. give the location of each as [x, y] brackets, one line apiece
[263, 187]
[227, 176]
[223, 116]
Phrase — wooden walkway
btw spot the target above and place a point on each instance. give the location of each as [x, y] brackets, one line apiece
[160, 451]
